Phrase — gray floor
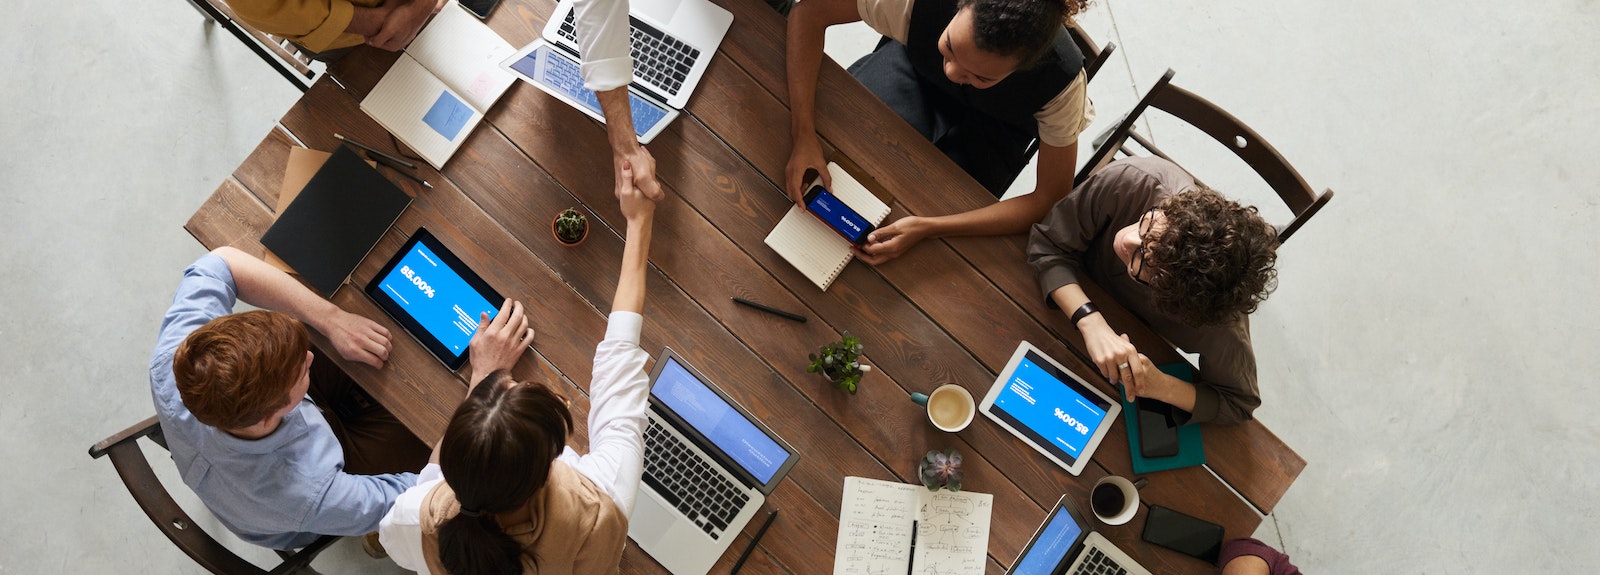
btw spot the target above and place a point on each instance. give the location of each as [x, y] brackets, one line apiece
[1428, 349]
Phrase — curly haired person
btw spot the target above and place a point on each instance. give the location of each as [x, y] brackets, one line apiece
[1189, 262]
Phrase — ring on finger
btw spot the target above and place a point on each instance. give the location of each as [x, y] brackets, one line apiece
[1122, 367]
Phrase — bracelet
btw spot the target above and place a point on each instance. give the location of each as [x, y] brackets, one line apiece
[1083, 312]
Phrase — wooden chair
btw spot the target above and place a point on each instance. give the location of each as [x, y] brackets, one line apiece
[1184, 105]
[1094, 56]
[292, 62]
[157, 503]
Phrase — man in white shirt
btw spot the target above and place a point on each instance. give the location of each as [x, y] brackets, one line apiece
[607, 69]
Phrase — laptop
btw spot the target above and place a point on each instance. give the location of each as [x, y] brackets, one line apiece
[1067, 544]
[708, 466]
[672, 42]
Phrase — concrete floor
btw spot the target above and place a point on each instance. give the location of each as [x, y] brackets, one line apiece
[1427, 349]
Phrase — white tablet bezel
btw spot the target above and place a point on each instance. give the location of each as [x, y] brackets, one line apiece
[1112, 412]
[645, 138]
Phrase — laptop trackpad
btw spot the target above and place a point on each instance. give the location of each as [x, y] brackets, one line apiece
[650, 521]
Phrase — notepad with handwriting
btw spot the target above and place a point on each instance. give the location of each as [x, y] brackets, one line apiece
[894, 528]
[442, 85]
[814, 248]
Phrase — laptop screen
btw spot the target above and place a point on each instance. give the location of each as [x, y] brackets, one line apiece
[1056, 411]
[727, 428]
[1050, 546]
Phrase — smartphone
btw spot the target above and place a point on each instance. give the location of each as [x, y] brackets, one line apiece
[480, 8]
[1158, 429]
[827, 207]
[1183, 533]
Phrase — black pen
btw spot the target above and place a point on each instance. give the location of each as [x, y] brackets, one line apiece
[773, 311]
[911, 563]
[375, 151]
[757, 539]
[398, 168]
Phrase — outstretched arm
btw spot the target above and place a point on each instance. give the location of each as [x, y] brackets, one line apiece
[356, 338]
[807, 24]
[639, 209]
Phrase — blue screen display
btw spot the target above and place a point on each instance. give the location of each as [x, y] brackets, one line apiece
[1050, 549]
[1053, 409]
[435, 296]
[562, 74]
[714, 418]
[837, 215]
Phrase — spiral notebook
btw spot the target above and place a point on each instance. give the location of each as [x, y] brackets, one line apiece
[810, 245]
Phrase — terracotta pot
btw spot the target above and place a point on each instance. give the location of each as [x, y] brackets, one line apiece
[564, 242]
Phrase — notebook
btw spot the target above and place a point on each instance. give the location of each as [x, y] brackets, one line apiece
[1191, 448]
[337, 218]
[810, 245]
[441, 86]
[888, 527]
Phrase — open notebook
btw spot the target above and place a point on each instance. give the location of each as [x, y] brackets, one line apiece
[814, 248]
[441, 86]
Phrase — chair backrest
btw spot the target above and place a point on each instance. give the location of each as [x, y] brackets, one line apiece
[293, 63]
[1093, 56]
[157, 503]
[1227, 130]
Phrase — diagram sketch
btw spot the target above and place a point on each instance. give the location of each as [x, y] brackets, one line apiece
[878, 518]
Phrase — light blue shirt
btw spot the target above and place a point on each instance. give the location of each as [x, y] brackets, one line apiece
[281, 491]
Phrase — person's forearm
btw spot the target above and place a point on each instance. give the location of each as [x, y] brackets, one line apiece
[1175, 392]
[635, 264]
[803, 62]
[1013, 216]
[619, 120]
[261, 285]
[367, 21]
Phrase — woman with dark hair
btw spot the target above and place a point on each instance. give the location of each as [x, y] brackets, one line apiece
[981, 79]
[504, 493]
[1189, 262]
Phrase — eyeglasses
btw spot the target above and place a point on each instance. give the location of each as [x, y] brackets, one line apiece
[1136, 263]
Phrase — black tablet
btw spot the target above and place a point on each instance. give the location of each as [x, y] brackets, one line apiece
[435, 296]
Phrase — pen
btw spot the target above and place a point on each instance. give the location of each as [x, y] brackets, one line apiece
[375, 151]
[773, 311]
[396, 167]
[912, 562]
[757, 539]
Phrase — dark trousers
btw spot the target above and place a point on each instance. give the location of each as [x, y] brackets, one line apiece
[989, 150]
[374, 441]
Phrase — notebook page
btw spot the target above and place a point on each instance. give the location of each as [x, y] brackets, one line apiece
[952, 532]
[810, 246]
[855, 195]
[420, 110]
[465, 54]
[875, 524]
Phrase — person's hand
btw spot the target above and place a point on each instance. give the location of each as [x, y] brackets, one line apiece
[1111, 352]
[439, 5]
[889, 242]
[806, 155]
[401, 25]
[1143, 379]
[357, 338]
[498, 343]
[635, 203]
[642, 175]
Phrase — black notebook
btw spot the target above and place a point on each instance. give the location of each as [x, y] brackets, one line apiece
[335, 221]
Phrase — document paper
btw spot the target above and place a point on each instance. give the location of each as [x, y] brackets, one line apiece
[810, 245]
[875, 530]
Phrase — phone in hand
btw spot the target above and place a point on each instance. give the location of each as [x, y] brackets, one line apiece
[480, 8]
[1158, 428]
[1183, 533]
[839, 217]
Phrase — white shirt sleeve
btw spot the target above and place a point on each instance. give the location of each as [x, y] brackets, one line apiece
[1067, 115]
[603, 31]
[891, 18]
[400, 531]
[618, 397]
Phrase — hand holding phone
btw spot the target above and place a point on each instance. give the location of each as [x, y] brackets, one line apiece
[839, 217]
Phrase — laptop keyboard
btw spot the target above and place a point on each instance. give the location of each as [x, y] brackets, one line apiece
[1097, 563]
[689, 482]
[659, 59]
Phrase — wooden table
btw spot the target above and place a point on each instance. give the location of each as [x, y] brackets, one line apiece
[948, 311]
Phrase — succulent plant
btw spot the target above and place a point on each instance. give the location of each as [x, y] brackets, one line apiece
[571, 226]
[840, 361]
[941, 469]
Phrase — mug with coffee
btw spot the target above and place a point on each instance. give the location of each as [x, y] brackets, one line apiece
[1115, 500]
[950, 407]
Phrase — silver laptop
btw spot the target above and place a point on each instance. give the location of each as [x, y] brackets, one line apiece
[1067, 544]
[672, 42]
[708, 466]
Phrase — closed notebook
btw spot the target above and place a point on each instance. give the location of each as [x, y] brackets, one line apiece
[814, 248]
[1191, 450]
[335, 221]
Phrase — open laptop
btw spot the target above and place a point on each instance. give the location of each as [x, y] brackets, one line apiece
[708, 466]
[672, 42]
[1067, 544]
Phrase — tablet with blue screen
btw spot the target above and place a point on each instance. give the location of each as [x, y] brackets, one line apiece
[1050, 408]
[435, 296]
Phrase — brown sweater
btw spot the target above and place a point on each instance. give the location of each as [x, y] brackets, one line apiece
[569, 526]
[318, 25]
[1075, 238]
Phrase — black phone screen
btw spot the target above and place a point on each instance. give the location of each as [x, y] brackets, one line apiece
[1158, 431]
[479, 8]
[1183, 533]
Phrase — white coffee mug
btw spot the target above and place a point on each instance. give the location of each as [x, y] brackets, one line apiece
[950, 407]
[1103, 503]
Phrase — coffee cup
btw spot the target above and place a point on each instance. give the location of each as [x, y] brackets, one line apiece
[1114, 499]
[950, 407]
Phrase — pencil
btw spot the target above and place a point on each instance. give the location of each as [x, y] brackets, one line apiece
[396, 167]
[753, 541]
[773, 311]
[373, 150]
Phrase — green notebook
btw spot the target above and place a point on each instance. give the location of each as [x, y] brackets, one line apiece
[1191, 451]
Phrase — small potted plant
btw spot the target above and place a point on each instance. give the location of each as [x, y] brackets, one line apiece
[840, 361]
[570, 227]
[941, 469]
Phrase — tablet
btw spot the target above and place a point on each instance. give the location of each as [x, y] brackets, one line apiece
[556, 72]
[1050, 408]
[434, 296]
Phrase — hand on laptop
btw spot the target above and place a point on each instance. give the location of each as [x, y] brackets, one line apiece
[499, 342]
[357, 338]
[889, 242]
[806, 156]
[402, 24]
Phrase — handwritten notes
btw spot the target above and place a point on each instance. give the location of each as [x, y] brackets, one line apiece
[876, 523]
